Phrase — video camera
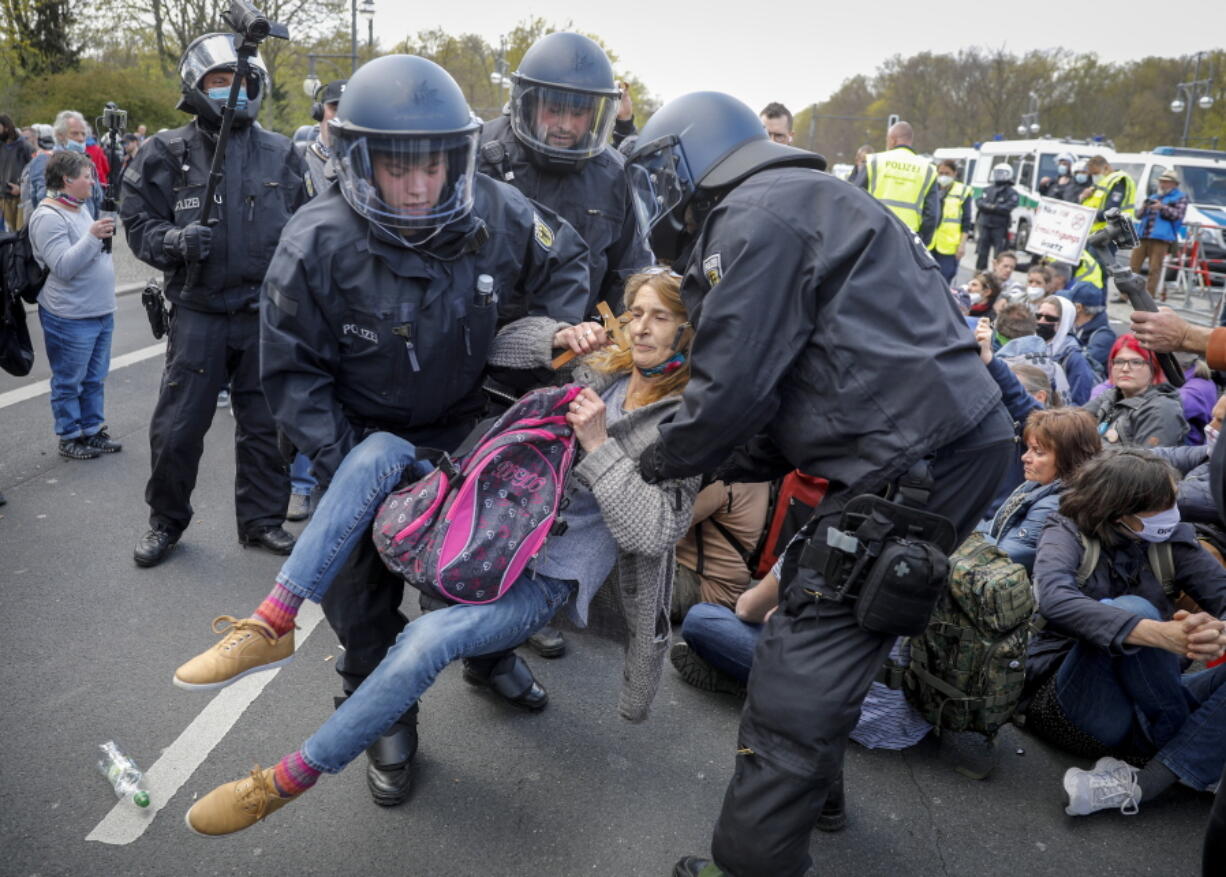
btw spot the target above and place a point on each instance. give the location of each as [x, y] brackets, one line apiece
[254, 26]
[114, 120]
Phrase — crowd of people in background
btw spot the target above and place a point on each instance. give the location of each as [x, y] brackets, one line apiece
[1103, 456]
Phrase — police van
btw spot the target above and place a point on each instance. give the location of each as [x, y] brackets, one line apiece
[1202, 177]
[966, 157]
[1031, 160]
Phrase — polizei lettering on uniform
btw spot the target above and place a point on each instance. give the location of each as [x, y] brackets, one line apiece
[192, 203]
[361, 331]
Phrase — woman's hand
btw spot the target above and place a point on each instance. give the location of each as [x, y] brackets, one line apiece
[103, 228]
[582, 339]
[586, 418]
[1199, 637]
[983, 336]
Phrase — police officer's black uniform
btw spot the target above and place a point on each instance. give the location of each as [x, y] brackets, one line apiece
[363, 331]
[214, 329]
[995, 207]
[854, 364]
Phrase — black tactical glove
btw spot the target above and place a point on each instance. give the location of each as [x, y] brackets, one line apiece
[190, 243]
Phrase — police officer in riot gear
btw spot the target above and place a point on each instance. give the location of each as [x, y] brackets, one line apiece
[214, 331]
[553, 146]
[317, 151]
[860, 370]
[383, 298]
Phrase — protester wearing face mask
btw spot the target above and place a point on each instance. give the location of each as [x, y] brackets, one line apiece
[1105, 672]
[1140, 408]
[1054, 318]
[1091, 326]
[70, 133]
[1062, 186]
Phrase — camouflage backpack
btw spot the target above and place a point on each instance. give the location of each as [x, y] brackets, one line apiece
[968, 667]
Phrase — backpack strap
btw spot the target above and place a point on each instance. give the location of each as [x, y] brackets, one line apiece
[1091, 551]
[1162, 562]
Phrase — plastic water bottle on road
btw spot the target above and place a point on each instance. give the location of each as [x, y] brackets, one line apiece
[123, 774]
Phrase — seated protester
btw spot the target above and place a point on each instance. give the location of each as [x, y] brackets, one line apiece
[1055, 318]
[1017, 327]
[1196, 502]
[1058, 441]
[1037, 384]
[1091, 326]
[728, 522]
[716, 654]
[1107, 670]
[1037, 280]
[616, 522]
[1141, 408]
[983, 291]
[1058, 279]
[1199, 395]
[1004, 269]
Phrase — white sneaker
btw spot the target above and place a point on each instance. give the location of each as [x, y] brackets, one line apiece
[1110, 785]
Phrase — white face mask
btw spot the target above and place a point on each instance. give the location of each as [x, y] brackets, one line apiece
[1035, 292]
[1159, 527]
[945, 179]
[975, 297]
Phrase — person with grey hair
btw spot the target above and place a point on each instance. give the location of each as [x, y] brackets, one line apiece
[76, 306]
[71, 132]
[1090, 324]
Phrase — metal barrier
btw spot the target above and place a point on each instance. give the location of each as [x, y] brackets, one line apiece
[1197, 289]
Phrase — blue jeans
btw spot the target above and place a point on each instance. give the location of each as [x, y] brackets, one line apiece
[721, 639]
[425, 646]
[79, 353]
[301, 481]
[1141, 703]
[364, 479]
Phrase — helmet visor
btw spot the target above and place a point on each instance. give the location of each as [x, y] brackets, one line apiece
[659, 180]
[560, 123]
[216, 52]
[406, 182]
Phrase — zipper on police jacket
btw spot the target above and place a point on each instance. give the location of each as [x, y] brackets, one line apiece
[405, 331]
[251, 208]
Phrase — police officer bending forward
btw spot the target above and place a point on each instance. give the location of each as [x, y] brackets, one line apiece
[382, 301]
[214, 329]
[855, 365]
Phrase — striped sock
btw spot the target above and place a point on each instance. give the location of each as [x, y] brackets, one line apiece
[293, 775]
[279, 609]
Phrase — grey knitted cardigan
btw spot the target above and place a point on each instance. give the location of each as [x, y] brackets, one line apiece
[646, 520]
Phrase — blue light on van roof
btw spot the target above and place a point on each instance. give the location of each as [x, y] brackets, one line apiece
[1164, 150]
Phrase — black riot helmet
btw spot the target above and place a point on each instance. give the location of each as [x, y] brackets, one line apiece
[563, 100]
[209, 53]
[691, 153]
[405, 144]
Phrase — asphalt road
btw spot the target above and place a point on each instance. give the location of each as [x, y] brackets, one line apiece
[90, 643]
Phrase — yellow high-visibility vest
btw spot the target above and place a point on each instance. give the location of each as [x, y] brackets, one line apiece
[949, 232]
[901, 180]
[1105, 185]
[1089, 270]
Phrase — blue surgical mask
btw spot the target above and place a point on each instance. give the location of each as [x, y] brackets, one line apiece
[1159, 527]
[1064, 170]
[1081, 178]
[74, 146]
[223, 93]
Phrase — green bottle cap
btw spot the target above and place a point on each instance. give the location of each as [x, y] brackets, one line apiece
[141, 798]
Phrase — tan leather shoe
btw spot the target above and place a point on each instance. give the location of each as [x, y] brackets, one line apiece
[248, 645]
[234, 806]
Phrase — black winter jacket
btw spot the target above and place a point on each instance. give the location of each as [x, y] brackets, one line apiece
[996, 205]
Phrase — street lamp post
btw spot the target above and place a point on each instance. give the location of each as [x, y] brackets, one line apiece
[1030, 118]
[368, 12]
[1194, 92]
[500, 76]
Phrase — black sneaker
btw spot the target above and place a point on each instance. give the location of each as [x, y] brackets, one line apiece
[76, 449]
[102, 442]
[697, 672]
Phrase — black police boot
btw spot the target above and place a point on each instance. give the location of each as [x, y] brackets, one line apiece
[152, 548]
[834, 813]
[276, 539]
[389, 768]
[511, 679]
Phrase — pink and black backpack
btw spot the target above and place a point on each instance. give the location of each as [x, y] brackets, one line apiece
[465, 532]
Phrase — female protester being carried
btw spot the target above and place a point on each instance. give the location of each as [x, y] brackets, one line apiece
[1141, 408]
[1055, 316]
[1107, 669]
[77, 304]
[615, 521]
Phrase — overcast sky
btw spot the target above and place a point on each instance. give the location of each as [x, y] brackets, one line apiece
[800, 52]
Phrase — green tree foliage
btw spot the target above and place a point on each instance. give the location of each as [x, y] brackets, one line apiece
[149, 100]
[38, 35]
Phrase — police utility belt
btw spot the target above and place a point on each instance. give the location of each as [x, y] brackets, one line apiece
[888, 555]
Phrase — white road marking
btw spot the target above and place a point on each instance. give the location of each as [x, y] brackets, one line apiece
[126, 822]
[36, 389]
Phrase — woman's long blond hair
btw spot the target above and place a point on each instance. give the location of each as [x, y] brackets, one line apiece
[615, 361]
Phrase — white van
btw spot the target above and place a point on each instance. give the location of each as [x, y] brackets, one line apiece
[1202, 177]
[1031, 160]
[966, 157]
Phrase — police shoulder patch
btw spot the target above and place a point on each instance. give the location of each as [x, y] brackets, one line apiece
[542, 232]
[713, 269]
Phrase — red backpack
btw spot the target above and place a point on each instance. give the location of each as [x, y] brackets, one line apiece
[465, 532]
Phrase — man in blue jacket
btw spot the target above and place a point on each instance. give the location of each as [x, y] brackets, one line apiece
[1091, 327]
[1159, 221]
